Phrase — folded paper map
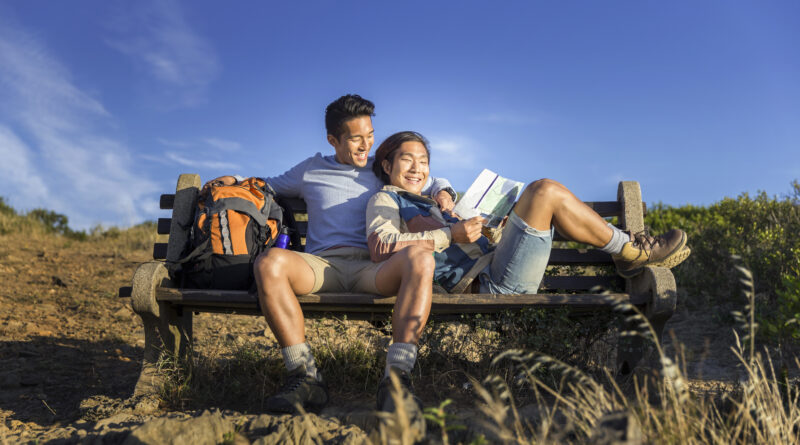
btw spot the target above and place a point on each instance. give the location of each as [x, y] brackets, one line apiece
[490, 196]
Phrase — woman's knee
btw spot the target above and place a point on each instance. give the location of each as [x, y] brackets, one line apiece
[420, 259]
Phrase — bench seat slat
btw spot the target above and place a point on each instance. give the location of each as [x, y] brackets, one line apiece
[454, 303]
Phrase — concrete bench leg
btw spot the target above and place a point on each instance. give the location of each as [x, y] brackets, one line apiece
[658, 284]
[167, 330]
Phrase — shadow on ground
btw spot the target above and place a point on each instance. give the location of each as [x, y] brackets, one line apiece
[44, 380]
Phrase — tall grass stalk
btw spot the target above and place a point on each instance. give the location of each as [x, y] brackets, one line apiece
[762, 409]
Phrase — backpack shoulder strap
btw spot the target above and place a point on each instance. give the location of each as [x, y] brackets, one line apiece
[239, 205]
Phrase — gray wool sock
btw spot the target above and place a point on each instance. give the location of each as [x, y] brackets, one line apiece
[618, 239]
[300, 354]
[401, 355]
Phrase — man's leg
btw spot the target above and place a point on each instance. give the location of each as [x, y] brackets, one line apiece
[281, 275]
[546, 202]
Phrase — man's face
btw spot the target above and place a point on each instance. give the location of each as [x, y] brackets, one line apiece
[353, 145]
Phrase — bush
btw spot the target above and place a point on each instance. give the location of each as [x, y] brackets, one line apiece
[764, 231]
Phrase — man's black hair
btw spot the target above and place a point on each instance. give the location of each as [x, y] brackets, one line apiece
[345, 108]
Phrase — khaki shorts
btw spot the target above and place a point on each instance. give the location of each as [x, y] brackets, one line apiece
[343, 269]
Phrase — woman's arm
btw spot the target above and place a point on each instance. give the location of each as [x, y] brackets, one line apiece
[384, 235]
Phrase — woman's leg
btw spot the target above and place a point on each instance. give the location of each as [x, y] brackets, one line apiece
[409, 275]
[545, 203]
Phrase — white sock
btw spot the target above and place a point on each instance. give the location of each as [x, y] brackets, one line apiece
[618, 239]
[401, 355]
[300, 354]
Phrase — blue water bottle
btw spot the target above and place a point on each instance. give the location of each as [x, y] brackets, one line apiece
[283, 238]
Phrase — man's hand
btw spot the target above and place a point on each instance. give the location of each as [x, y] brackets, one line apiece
[222, 180]
[444, 200]
[467, 231]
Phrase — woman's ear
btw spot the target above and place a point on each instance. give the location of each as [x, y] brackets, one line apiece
[387, 166]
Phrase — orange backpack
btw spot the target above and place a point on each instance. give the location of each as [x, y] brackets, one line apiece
[232, 225]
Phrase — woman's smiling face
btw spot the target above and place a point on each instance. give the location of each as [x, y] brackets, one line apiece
[409, 167]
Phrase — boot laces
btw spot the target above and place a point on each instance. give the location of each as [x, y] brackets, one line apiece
[293, 382]
[646, 241]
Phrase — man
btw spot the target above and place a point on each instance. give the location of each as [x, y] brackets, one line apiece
[336, 189]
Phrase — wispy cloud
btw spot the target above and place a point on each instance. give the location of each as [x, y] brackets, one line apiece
[453, 151]
[223, 144]
[171, 143]
[197, 163]
[202, 154]
[17, 168]
[54, 137]
[157, 37]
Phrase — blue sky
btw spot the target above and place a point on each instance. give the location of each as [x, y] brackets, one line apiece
[103, 103]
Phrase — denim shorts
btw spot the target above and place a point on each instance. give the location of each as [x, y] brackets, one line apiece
[519, 260]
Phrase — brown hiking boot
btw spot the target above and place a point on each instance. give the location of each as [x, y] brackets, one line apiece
[666, 250]
[402, 408]
[301, 392]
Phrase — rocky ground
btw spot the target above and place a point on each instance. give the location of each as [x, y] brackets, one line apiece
[70, 352]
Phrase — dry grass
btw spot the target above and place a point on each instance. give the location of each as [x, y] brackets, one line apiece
[660, 408]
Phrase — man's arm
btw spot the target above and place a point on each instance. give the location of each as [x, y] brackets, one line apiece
[289, 184]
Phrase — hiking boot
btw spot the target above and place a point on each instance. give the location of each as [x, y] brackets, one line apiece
[300, 391]
[666, 250]
[411, 405]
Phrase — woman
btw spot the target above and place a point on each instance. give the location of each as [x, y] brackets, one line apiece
[398, 217]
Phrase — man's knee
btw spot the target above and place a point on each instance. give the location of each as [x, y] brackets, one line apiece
[272, 264]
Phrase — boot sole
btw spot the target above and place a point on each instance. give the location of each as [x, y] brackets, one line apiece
[669, 262]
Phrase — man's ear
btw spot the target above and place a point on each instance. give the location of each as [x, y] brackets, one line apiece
[332, 140]
[387, 166]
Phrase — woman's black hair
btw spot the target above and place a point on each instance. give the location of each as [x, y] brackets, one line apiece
[389, 146]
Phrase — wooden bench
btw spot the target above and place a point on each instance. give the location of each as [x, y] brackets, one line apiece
[167, 311]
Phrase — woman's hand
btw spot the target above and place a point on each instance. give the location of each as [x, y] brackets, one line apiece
[445, 201]
[467, 231]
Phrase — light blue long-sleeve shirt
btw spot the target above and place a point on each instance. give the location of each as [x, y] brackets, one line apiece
[336, 197]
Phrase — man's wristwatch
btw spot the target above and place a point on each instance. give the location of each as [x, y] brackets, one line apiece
[451, 192]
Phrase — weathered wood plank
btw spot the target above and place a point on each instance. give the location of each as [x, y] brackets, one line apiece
[579, 257]
[603, 208]
[160, 251]
[294, 205]
[346, 302]
[581, 283]
[167, 201]
[164, 225]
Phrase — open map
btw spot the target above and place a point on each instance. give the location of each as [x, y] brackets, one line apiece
[490, 196]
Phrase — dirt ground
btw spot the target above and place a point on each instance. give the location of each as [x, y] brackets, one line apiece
[69, 344]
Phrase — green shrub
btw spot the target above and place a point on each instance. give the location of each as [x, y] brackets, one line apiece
[6, 209]
[782, 322]
[764, 231]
